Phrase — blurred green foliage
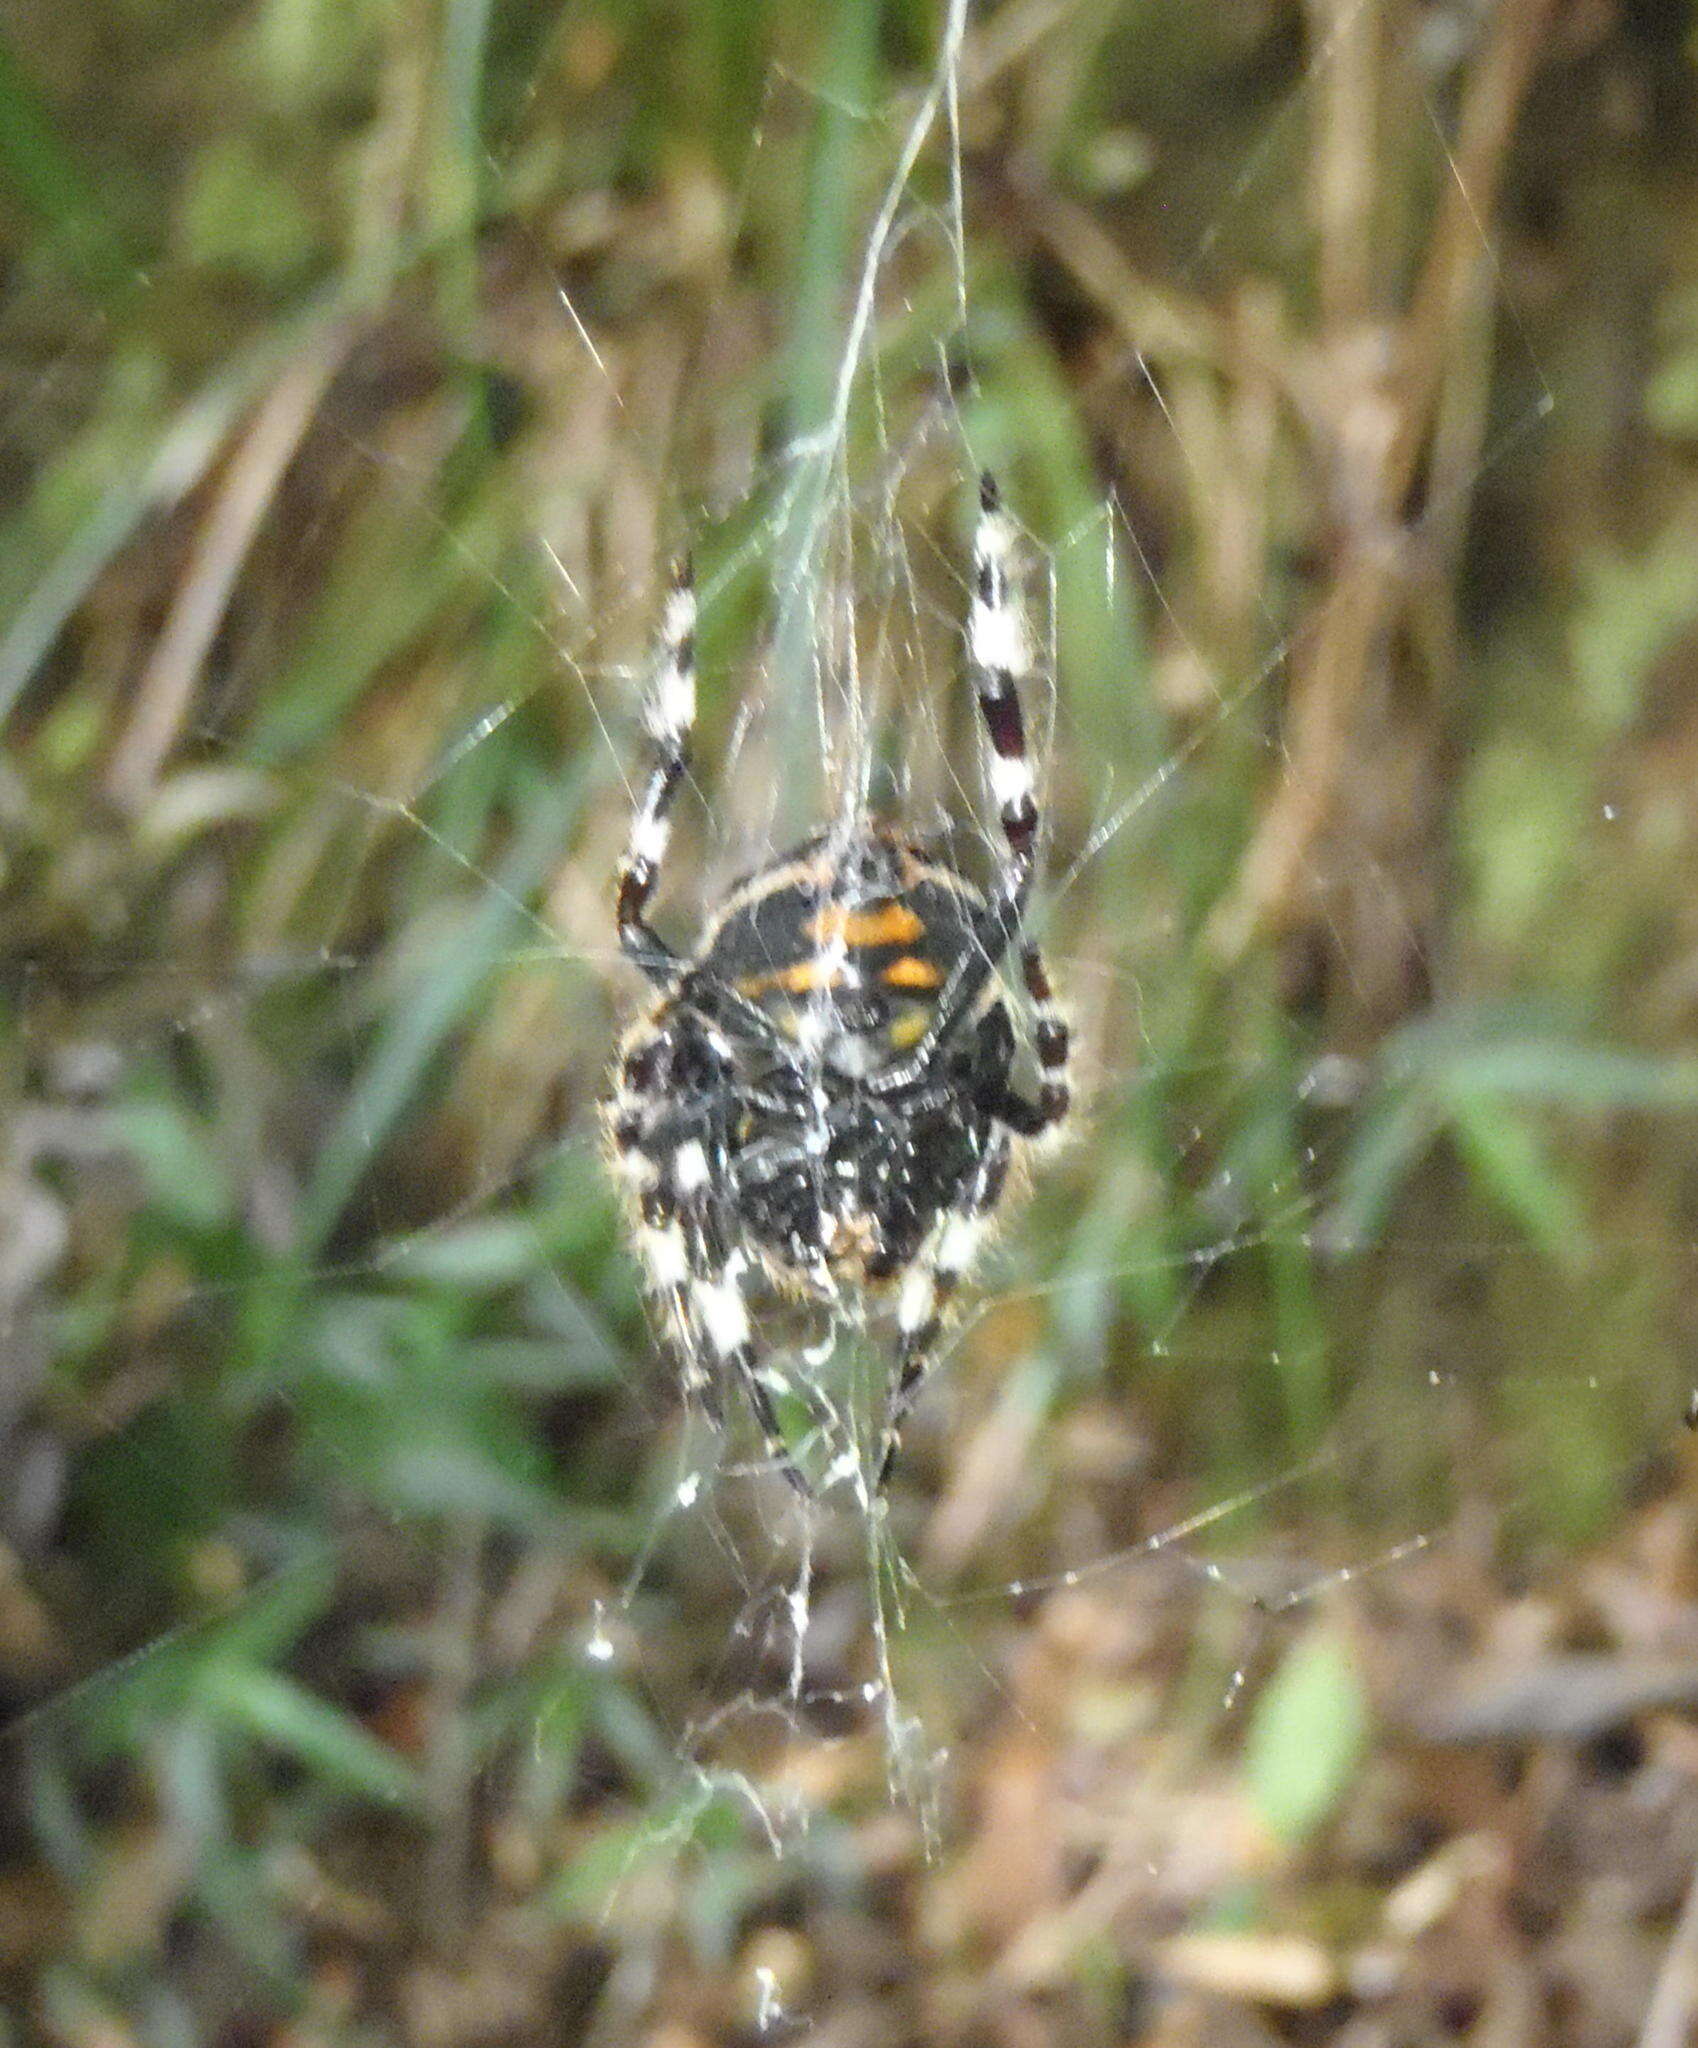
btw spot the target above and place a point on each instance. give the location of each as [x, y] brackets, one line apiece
[458, 318]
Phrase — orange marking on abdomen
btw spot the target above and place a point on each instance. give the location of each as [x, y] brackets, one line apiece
[891, 924]
[800, 978]
[912, 972]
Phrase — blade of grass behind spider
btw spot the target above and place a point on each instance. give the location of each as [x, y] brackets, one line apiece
[401, 574]
[457, 163]
[413, 1033]
[177, 456]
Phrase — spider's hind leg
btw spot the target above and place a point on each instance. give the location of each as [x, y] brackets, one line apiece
[927, 1288]
[664, 1255]
[717, 1308]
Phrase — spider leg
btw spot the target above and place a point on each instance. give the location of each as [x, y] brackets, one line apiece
[669, 1159]
[662, 1161]
[670, 716]
[664, 1252]
[999, 652]
[1051, 1043]
[717, 1308]
[999, 655]
[927, 1288]
[766, 1416]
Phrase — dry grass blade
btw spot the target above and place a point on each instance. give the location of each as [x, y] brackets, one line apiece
[254, 470]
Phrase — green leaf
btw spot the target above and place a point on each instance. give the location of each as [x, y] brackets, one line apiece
[1308, 1735]
[1475, 1075]
[184, 1174]
[448, 1474]
[238, 210]
[1631, 612]
[699, 1813]
[1393, 1134]
[1575, 1076]
[1513, 1161]
[274, 1710]
[475, 1257]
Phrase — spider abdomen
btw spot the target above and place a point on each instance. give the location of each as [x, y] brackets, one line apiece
[845, 946]
[843, 1198]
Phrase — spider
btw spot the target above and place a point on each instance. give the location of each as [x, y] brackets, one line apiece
[817, 1107]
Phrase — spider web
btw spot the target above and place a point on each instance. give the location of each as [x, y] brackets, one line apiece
[833, 591]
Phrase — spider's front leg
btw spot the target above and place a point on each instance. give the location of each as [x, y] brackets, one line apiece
[1000, 659]
[999, 653]
[670, 716]
[1052, 1048]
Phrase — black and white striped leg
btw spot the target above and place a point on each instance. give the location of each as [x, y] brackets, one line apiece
[664, 1251]
[664, 1174]
[926, 1292]
[670, 716]
[1052, 1047]
[719, 1312]
[999, 654]
[999, 651]
[742, 1365]
[672, 1311]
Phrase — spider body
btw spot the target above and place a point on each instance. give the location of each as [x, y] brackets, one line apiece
[818, 1106]
[835, 959]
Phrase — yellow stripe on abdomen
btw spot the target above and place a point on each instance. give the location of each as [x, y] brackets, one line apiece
[912, 972]
[891, 924]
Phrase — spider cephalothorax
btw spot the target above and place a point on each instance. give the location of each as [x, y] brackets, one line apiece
[818, 1105]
